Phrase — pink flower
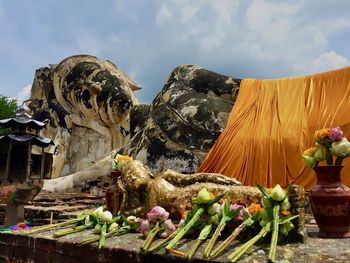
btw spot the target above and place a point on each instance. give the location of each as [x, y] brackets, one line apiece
[239, 216]
[134, 220]
[157, 213]
[145, 227]
[182, 221]
[168, 228]
[335, 134]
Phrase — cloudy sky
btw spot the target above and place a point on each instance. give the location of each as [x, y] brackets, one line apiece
[148, 38]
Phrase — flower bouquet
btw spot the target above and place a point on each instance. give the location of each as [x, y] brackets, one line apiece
[329, 142]
[329, 199]
[101, 223]
[157, 223]
[207, 219]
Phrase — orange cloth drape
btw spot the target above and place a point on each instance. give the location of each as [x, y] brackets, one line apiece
[273, 122]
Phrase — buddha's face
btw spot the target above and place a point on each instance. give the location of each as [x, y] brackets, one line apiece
[84, 85]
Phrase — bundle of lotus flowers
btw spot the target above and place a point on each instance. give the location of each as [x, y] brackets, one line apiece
[100, 222]
[210, 215]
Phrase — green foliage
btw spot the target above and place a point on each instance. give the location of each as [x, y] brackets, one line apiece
[8, 109]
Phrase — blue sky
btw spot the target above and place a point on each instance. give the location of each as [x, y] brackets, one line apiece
[147, 39]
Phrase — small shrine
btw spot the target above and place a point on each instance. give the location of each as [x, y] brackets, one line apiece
[21, 171]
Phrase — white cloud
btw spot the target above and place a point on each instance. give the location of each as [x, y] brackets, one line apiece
[24, 94]
[147, 39]
[330, 60]
[262, 15]
[163, 14]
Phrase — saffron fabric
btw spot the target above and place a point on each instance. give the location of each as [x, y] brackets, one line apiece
[271, 124]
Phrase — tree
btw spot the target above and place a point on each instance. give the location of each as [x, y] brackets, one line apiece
[8, 109]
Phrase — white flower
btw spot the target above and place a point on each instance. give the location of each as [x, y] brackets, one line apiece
[98, 212]
[113, 226]
[277, 193]
[97, 229]
[341, 148]
[106, 217]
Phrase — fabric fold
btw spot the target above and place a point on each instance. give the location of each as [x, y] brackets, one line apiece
[273, 122]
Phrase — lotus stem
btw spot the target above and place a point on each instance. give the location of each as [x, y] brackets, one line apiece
[185, 229]
[102, 240]
[164, 241]
[49, 227]
[151, 235]
[274, 238]
[243, 248]
[193, 249]
[117, 232]
[202, 237]
[228, 241]
[208, 249]
[66, 232]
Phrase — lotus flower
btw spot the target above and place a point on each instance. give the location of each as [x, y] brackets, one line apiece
[214, 209]
[106, 217]
[329, 142]
[239, 216]
[286, 227]
[135, 221]
[157, 214]
[335, 134]
[97, 229]
[341, 148]
[98, 212]
[277, 193]
[145, 227]
[168, 228]
[203, 197]
[285, 204]
[113, 226]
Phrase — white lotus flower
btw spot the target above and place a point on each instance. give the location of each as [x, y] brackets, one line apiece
[341, 148]
[106, 217]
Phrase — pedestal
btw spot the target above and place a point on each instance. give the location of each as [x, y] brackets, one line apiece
[14, 214]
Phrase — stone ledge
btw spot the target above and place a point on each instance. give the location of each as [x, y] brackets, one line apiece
[44, 248]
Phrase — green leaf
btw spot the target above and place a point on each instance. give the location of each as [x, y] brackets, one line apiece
[285, 220]
[263, 191]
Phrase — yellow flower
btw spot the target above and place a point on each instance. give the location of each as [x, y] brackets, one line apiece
[322, 134]
[285, 212]
[184, 214]
[212, 195]
[254, 208]
[311, 151]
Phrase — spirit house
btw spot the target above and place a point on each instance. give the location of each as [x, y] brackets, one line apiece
[21, 171]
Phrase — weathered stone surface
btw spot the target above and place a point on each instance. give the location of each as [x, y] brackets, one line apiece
[177, 130]
[83, 179]
[87, 103]
[63, 206]
[44, 248]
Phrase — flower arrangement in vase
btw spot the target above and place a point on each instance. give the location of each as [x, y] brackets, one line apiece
[329, 142]
[329, 199]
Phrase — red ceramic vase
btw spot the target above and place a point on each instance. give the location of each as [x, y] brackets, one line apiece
[330, 202]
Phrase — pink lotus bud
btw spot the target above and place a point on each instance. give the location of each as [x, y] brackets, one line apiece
[239, 216]
[145, 227]
[182, 221]
[335, 134]
[168, 228]
[133, 219]
[157, 213]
